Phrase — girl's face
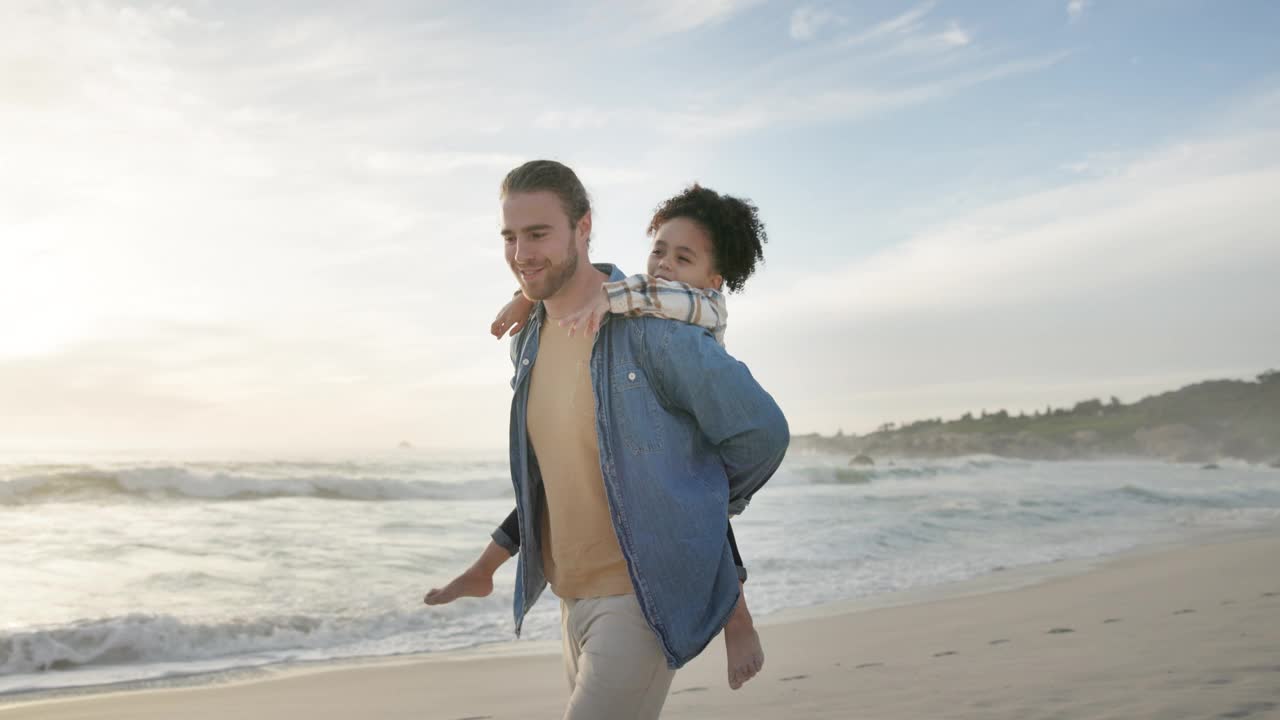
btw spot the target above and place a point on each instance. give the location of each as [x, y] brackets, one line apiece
[682, 251]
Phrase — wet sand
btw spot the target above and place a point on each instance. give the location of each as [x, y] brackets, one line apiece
[1186, 632]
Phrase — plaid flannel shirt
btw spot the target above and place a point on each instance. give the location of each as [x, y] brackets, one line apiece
[648, 295]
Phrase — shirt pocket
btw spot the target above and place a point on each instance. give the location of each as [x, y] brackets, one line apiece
[636, 411]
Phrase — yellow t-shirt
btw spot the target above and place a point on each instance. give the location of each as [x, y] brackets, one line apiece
[580, 551]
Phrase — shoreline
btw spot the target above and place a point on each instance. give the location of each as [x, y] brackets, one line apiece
[459, 675]
[995, 581]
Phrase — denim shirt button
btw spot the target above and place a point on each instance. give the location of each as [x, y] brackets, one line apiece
[526, 362]
[631, 376]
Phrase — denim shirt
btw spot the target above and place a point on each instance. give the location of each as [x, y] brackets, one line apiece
[686, 436]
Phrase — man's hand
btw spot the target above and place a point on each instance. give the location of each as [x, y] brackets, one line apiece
[589, 316]
[512, 317]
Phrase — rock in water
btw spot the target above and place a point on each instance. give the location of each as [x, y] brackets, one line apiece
[844, 476]
[861, 460]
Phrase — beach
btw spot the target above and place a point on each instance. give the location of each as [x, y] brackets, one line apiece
[943, 325]
[1190, 631]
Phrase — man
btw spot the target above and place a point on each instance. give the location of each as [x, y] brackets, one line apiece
[625, 450]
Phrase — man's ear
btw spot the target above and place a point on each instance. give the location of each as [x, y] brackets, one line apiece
[584, 226]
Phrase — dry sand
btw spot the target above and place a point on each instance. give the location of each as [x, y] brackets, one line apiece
[1187, 632]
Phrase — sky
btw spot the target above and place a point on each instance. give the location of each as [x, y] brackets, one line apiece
[274, 226]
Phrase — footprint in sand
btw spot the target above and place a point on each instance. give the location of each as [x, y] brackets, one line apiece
[867, 665]
[688, 690]
[792, 677]
[1270, 594]
[1000, 641]
[1110, 620]
[1247, 709]
[1059, 631]
[945, 653]
[1184, 611]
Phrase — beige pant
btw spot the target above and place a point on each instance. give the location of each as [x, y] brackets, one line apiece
[613, 659]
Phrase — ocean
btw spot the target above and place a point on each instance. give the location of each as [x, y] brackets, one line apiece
[130, 568]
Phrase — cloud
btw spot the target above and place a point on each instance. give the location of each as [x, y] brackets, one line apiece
[1076, 8]
[955, 36]
[665, 17]
[432, 163]
[791, 106]
[930, 43]
[807, 21]
[1159, 215]
[582, 118]
[312, 195]
[187, 384]
[897, 25]
[1148, 273]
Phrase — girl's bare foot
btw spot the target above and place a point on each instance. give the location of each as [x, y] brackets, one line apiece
[472, 583]
[742, 646]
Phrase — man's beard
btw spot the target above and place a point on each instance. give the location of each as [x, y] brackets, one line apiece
[555, 276]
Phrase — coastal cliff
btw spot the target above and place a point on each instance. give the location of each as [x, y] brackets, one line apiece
[1204, 422]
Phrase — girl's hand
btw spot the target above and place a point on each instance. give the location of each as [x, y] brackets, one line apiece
[588, 317]
[512, 317]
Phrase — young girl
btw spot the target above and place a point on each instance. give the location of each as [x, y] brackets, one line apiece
[703, 243]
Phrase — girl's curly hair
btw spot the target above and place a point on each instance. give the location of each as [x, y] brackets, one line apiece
[737, 234]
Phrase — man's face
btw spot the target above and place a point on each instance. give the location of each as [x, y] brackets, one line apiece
[541, 247]
[682, 252]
